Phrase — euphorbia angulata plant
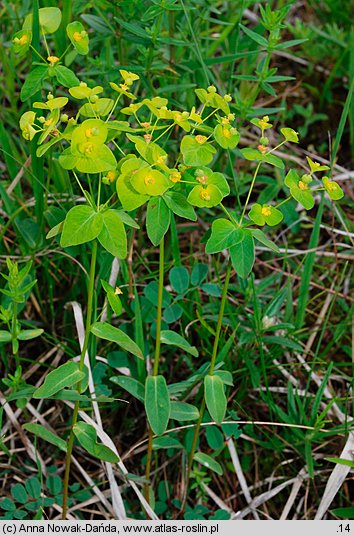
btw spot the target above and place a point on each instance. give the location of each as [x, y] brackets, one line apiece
[117, 147]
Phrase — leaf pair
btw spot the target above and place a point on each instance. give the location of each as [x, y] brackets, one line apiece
[83, 224]
[239, 241]
[86, 435]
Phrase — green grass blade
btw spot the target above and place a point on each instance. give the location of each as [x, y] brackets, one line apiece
[308, 269]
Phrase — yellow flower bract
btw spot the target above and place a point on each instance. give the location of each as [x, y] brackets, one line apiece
[204, 194]
[200, 139]
[266, 211]
[53, 59]
[149, 180]
[175, 176]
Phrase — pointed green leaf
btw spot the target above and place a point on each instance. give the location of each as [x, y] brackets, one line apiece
[28, 334]
[179, 205]
[261, 237]
[208, 462]
[42, 432]
[158, 218]
[225, 376]
[174, 339]
[274, 161]
[105, 331]
[113, 298]
[33, 82]
[290, 134]
[254, 154]
[5, 336]
[113, 236]
[128, 220]
[224, 234]
[65, 76]
[259, 39]
[64, 376]
[315, 166]
[242, 255]
[86, 435]
[133, 386]
[166, 442]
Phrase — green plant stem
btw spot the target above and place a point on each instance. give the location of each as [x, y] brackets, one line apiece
[91, 288]
[228, 214]
[211, 370]
[159, 308]
[276, 147]
[14, 334]
[250, 191]
[37, 162]
[164, 132]
[286, 200]
[155, 370]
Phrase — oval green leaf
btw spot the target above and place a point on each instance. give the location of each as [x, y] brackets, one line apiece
[215, 397]
[208, 462]
[86, 435]
[82, 224]
[181, 411]
[157, 403]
